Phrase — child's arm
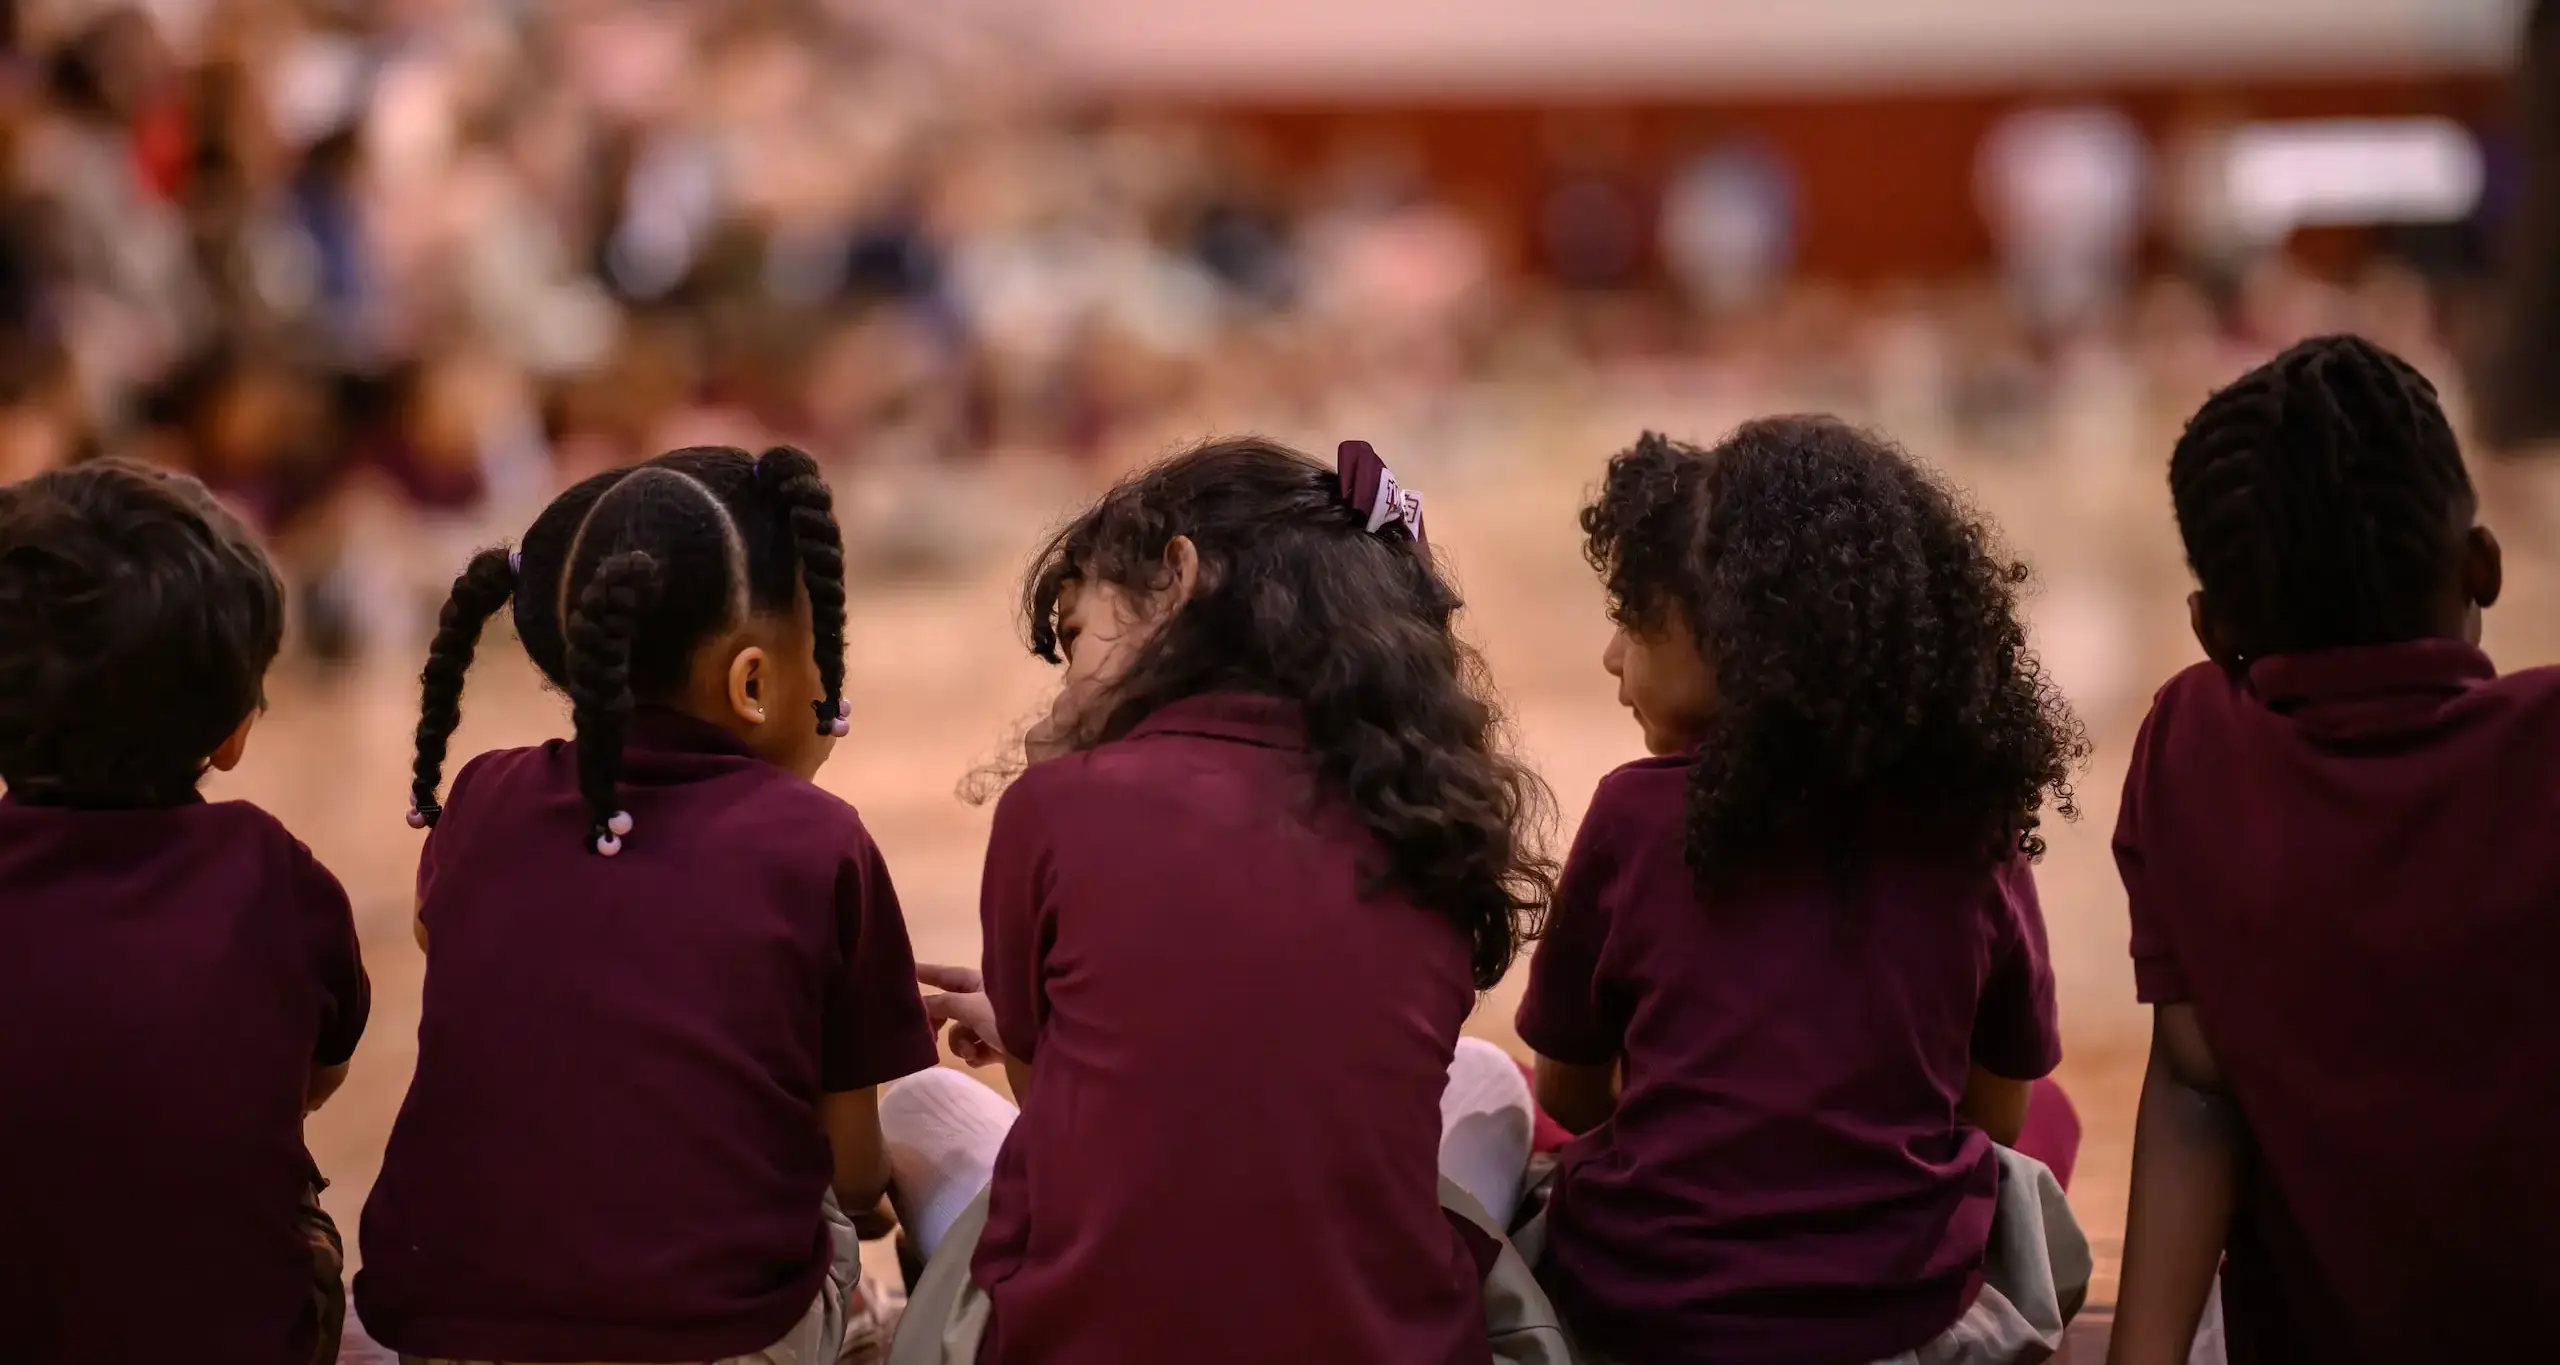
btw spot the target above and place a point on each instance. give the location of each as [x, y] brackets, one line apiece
[964, 1005]
[324, 1082]
[1996, 1104]
[1578, 1098]
[851, 1119]
[2186, 1158]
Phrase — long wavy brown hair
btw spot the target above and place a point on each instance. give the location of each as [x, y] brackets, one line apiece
[1296, 599]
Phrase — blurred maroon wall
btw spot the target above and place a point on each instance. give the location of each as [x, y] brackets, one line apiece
[1886, 182]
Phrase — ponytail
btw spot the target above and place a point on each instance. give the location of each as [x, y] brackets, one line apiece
[625, 588]
[483, 586]
[791, 478]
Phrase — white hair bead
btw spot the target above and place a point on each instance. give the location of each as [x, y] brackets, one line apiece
[608, 845]
[620, 824]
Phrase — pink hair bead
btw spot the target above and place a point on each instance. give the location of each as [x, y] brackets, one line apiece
[607, 845]
[620, 824]
[840, 727]
[417, 818]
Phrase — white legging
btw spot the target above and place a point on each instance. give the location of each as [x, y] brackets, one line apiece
[944, 1130]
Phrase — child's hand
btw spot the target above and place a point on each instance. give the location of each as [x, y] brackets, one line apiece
[963, 1005]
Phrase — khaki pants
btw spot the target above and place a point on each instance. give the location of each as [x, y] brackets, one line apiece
[947, 1316]
[820, 1336]
[2035, 1276]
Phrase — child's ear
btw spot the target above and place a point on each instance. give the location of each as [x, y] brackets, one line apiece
[2210, 634]
[1182, 561]
[748, 684]
[2484, 567]
[234, 745]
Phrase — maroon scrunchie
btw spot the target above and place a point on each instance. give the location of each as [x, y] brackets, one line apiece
[1374, 493]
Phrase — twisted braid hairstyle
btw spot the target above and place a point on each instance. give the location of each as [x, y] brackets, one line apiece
[2323, 502]
[621, 580]
[1297, 599]
[1871, 667]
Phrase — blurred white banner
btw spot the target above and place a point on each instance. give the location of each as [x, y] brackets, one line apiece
[1628, 46]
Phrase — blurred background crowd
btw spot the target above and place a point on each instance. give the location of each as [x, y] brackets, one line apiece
[387, 269]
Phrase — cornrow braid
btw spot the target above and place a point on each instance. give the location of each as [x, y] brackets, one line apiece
[2318, 496]
[793, 480]
[483, 586]
[623, 591]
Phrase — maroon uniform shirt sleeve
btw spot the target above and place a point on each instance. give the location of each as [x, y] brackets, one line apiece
[2016, 1032]
[346, 994]
[1013, 916]
[2158, 977]
[875, 1029]
[1567, 1014]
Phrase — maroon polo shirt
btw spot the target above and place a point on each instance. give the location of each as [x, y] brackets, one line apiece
[2349, 863]
[611, 1150]
[168, 979]
[1230, 1149]
[1785, 1178]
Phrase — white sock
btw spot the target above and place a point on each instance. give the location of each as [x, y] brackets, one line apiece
[943, 1131]
[1486, 1123]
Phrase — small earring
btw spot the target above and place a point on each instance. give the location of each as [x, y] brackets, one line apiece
[759, 715]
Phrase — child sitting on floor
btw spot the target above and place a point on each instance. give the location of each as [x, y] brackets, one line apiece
[2337, 842]
[665, 970]
[1234, 922]
[1795, 989]
[179, 979]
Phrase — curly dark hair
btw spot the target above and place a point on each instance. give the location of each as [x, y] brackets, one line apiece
[2323, 500]
[623, 577]
[1296, 599]
[1862, 626]
[137, 622]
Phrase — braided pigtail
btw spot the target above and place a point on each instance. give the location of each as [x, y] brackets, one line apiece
[792, 478]
[625, 588]
[483, 586]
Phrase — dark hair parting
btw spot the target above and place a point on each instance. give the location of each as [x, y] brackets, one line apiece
[623, 578]
[623, 591]
[793, 479]
[483, 586]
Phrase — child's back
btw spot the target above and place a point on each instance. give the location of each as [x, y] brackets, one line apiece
[1783, 1177]
[2348, 863]
[178, 980]
[2337, 845]
[1199, 955]
[626, 1053]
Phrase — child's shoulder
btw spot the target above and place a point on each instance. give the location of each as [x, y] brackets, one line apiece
[1647, 789]
[220, 831]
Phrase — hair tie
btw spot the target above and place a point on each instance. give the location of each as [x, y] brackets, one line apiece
[1374, 493]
